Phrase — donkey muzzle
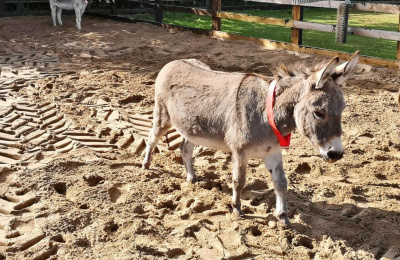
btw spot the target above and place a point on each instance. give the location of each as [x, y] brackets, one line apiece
[333, 156]
[332, 150]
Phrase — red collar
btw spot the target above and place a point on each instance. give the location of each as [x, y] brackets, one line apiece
[284, 141]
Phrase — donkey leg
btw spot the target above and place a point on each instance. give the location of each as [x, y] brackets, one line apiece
[78, 17]
[187, 157]
[83, 10]
[154, 136]
[239, 165]
[59, 11]
[275, 166]
[54, 14]
[161, 124]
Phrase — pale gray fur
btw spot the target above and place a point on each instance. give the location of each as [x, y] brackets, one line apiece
[227, 111]
[58, 5]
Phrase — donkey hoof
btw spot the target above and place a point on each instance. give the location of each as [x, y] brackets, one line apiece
[284, 221]
[145, 166]
[237, 212]
[192, 180]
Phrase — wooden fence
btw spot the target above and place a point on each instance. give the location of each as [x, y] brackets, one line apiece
[296, 24]
[110, 8]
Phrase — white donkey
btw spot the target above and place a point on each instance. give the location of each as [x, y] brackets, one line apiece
[58, 5]
[237, 112]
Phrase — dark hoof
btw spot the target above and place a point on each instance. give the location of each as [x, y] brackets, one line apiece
[145, 166]
[237, 212]
[192, 180]
[283, 221]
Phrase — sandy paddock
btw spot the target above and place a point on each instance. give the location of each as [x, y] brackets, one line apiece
[95, 202]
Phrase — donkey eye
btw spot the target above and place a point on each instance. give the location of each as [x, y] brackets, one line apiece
[319, 115]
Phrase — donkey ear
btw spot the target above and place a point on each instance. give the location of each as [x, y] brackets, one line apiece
[326, 72]
[344, 71]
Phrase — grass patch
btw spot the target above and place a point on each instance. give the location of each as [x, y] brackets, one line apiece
[368, 46]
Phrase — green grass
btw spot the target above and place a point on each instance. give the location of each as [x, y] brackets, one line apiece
[367, 46]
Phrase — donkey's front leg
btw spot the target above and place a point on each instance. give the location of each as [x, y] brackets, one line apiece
[239, 165]
[275, 167]
[187, 157]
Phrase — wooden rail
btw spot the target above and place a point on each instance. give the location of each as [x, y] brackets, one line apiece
[254, 19]
[372, 33]
[322, 4]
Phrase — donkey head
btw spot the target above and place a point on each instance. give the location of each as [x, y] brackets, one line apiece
[321, 103]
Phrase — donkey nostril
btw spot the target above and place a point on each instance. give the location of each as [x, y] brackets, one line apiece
[335, 155]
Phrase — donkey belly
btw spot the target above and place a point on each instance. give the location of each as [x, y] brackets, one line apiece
[262, 150]
[201, 135]
[208, 143]
[65, 6]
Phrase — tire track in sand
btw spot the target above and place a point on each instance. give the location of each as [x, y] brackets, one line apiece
[32, 131]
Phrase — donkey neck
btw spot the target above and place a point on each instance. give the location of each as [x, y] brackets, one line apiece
[284, 108]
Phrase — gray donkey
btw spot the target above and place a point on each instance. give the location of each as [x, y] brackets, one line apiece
[58, 5]
[228, 111]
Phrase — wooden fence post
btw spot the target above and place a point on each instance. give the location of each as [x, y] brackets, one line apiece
[342, 22]
[216, 22]
[2, 7]
[158, 12]
[398, 44]
[88, 9]
[113, 8]
[297, 34]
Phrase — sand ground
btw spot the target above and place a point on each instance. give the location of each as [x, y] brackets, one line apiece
[71, 183]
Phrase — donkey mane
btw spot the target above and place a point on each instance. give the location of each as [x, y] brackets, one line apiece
[299, 69]
[296, 71]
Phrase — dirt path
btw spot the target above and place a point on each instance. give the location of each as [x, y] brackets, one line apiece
[74, 108]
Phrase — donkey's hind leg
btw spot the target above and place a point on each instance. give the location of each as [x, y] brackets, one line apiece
[187, 157]
[54, 14]
[59, 11]
[239, 165]
[161, 124]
